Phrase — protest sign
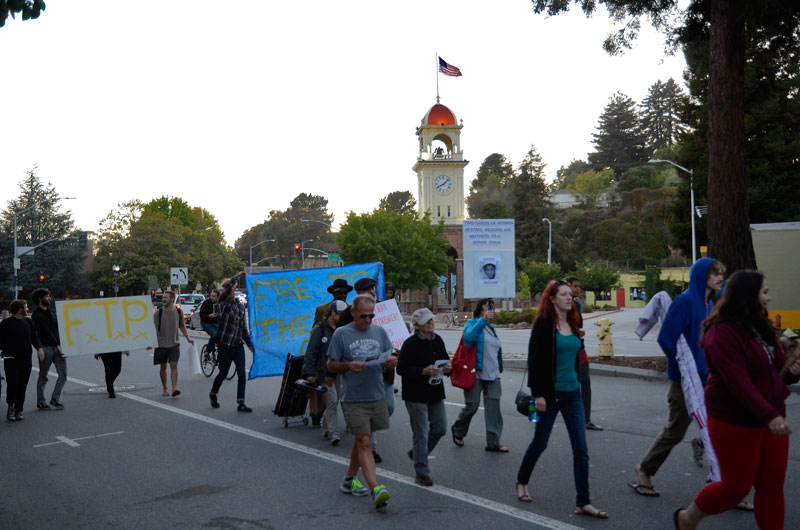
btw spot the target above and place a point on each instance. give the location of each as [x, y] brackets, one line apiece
[281, 307]
[102, 325]
[387, 316]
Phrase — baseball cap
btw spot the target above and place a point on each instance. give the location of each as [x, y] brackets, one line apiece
[421, 316]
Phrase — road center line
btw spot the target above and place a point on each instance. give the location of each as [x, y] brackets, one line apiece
[481, 502]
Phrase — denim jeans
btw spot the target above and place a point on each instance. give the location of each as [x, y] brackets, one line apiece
[51, 356]
[428, 425]
[235, 355]
[211, 329]
[571, 407]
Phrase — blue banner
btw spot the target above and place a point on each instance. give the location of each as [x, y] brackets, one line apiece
[281, 308]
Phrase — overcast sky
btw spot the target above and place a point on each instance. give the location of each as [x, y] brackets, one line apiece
[239, 110]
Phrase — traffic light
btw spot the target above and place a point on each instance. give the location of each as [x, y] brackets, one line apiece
[41, 278]
[297, 250]
[83, 240]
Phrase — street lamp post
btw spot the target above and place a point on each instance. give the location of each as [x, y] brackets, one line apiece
[549, 240]
[16, 263]
[303, 254]
[316, 221]
[115, 270]
[691, 199]
[254, 246]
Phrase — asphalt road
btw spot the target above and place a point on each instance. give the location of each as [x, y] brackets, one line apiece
[144, 461]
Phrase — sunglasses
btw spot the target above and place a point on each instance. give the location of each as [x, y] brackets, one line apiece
[367, 315]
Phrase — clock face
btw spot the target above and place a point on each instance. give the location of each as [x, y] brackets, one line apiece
[443, 184]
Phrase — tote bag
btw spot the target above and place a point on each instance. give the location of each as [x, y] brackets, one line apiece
[463, 374]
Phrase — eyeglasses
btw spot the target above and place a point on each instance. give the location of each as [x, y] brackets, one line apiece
[367, 315]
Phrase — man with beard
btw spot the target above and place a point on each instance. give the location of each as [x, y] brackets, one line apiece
[17, 335]
[47, 329]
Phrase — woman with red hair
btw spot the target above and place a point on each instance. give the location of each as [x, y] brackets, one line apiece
[553, 380]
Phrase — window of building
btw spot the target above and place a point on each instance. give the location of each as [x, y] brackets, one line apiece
[448, 210]
[438, 211]
[604, 296]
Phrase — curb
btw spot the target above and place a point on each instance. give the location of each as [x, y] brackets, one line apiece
[600, 369]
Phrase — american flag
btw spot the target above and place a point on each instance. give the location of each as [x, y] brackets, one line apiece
[448, 69]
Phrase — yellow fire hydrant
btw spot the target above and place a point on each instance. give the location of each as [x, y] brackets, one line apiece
[606, 346]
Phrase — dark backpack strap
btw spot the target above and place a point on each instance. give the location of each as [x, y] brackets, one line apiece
[158, 322]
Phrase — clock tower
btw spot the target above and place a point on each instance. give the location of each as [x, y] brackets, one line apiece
[440, 166]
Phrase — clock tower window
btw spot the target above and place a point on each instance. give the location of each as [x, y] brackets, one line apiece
[448, 210]
[438, 211]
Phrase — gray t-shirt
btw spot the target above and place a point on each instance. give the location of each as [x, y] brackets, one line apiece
[168, 330]
[350, 344]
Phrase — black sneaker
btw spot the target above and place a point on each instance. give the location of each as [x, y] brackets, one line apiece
[214, 402]
[10, 413]
[424, 480]
[18, 415]
[243, 408]
[377, 457]
[56, 404]
[43, 406]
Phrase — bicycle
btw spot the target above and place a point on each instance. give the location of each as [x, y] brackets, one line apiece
[209, 361]
[450, 319]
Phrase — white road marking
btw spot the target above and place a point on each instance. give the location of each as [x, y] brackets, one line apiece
[73, 442]
[481, 502]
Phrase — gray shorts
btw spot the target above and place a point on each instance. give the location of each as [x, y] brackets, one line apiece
[365, 416]
[162, 355]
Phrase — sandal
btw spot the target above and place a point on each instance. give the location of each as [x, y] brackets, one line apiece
[458, 440]
[597, 514]
[165, 393]
[522, 493]
[644, 489]
[500, 449]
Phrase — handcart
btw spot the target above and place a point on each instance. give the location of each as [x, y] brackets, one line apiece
[293, 399]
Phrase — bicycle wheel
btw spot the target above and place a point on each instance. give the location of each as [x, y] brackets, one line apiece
[208, 361]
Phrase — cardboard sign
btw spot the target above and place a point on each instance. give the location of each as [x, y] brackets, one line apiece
[388, 316]
[102, 325]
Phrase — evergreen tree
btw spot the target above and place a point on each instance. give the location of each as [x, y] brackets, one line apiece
[60, 260]
[619, 140]
[728, 27]
[529, 205]
[402, 202]
[490, 192]
[661, 114]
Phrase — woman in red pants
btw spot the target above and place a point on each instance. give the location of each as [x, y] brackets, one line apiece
[745, 400]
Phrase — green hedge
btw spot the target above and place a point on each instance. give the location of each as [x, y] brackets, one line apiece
[514, 317]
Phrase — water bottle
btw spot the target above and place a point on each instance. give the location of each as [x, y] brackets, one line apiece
[533, 414]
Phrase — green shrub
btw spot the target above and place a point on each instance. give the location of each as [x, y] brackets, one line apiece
[514, 317]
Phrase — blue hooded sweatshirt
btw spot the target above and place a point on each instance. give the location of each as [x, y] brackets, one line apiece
[685, 316]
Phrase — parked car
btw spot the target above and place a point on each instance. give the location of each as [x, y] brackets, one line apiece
[189, 304]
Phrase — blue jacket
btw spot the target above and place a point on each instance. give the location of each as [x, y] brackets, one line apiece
[473, 333]
[685, 316]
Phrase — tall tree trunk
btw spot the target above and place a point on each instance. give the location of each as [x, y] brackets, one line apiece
[728, 210]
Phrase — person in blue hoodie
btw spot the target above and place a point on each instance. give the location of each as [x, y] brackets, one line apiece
[489, 366]
[684, 317]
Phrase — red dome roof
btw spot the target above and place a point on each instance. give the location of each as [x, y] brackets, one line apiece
[439, 115]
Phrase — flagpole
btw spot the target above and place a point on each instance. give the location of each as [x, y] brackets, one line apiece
[437, 77]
